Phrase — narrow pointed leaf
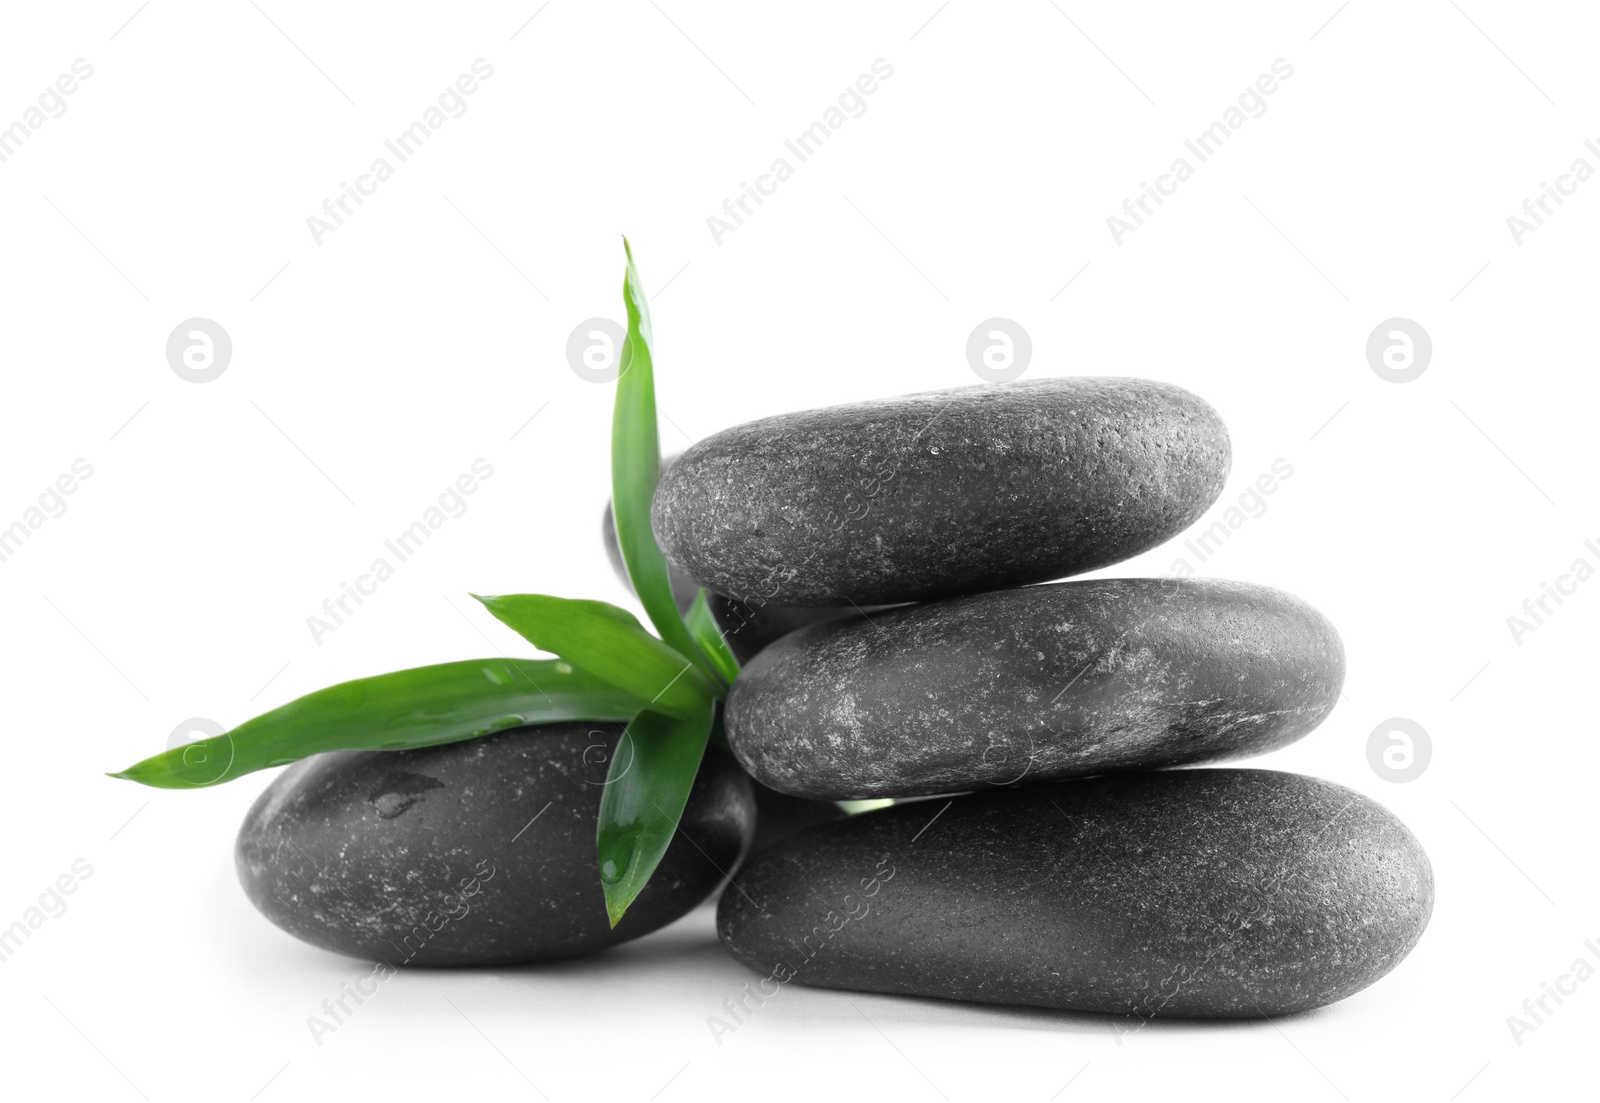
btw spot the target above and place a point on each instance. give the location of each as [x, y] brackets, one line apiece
[708, 637]
[420, 707]
[635, 469]
[610, 644]
[643, 800]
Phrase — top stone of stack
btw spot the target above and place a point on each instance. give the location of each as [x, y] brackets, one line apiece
[943, 493]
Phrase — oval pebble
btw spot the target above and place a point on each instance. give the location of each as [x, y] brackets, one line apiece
[473, 853]
[1035, 684]
[1216, 893]
[947, 492]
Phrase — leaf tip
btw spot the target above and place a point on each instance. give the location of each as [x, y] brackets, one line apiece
[140, 773]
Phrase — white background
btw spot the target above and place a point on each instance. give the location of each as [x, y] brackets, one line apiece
[370, 371]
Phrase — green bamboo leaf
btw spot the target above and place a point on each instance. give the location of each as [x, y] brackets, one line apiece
[708, 637]
[610, 644]
[856, 807]
[645, 792]
[635, 469]
[420, 707]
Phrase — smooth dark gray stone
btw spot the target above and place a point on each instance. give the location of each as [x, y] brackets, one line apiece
[1190, 893]
[473, 853]
[948, 492]
[1035, 684]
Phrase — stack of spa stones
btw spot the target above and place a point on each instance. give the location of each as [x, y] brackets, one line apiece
[1038, 851]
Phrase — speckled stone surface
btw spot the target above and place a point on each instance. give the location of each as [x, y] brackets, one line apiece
[1034, 684]
[747, 628]
[947, 492]
[1192, 893]
[474, 853]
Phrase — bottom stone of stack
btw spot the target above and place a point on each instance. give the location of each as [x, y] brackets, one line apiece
[1210, 893]
[473, 853]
